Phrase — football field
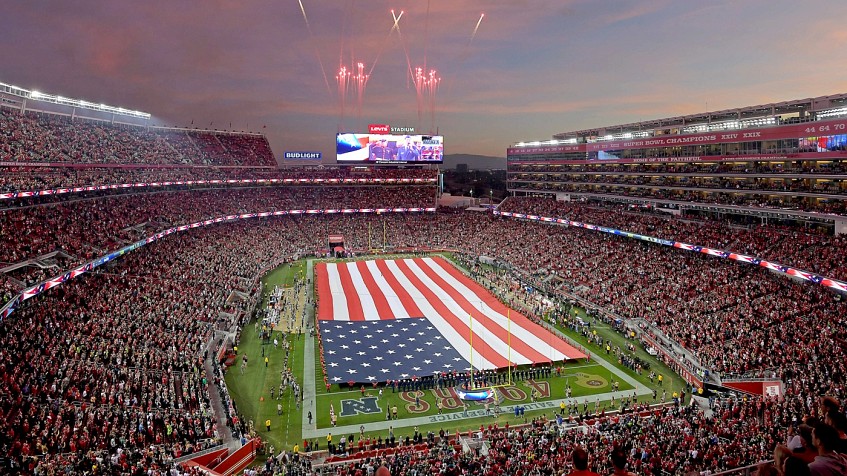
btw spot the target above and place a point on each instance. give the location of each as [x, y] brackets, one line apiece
[357, 403]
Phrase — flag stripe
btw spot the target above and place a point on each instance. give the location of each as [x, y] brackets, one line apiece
[500, 315]
[520, 323]
[379, 300]
[354, 303]
[439, 320]
[340, 309]
[482, 302]
[366, 299]
[412, 309]
[480, 347]
[393, 300]
[324, 308]
[522, 353]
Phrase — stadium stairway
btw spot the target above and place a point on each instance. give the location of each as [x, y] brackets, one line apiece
[225, 461]
[220, 412]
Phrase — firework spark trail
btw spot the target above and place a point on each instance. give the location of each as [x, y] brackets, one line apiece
[405, 50]
[481, 15]
[426, 32]
[463, 57]
[312, 41]
[384, 42]
[420, 83]
[343, 79]
[434, 80]
[426, 88]
[360, 81]
[353, 23]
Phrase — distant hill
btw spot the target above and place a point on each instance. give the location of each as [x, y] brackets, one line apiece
[475, 162]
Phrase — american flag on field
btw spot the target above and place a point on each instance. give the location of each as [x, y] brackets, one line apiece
[378, 311]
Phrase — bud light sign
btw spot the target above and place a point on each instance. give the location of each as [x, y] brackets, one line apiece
[303, 156]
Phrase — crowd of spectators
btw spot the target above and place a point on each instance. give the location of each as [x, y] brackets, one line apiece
[28, 233]
[35, 179]
[547, 171]
[737, 319]
[670, 440]
[745, 198]
[685, 182]
[107, 373]
[43, 137]
[806, 249]
[28, 178]
[114, 360]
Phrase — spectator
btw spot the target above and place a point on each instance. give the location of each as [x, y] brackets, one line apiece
[828, 462]
[580, 463]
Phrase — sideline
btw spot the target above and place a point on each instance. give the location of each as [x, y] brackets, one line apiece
[310, 433]
[342, 392]
[309, 391]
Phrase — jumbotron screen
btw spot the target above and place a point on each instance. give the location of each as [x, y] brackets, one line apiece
[389, 149]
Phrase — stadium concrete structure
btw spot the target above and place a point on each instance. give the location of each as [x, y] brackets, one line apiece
[131, 259]
[773, 161]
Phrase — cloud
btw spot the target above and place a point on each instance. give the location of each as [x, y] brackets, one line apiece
[635, 10]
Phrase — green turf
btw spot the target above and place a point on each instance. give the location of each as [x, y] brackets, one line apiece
[249, 389]
[672, 381]
[283, 276]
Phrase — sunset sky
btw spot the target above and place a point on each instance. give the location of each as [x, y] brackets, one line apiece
[534, 67]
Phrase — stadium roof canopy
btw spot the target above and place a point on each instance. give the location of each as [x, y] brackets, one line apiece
[80, 103]
[799, 110]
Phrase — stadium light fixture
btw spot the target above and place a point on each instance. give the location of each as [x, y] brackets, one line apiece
[547, 142]
[61, 100]
[832, 113]
[722, 126]
[759, 121]
[624, 136]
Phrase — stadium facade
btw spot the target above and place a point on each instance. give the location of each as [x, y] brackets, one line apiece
[773, 161]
